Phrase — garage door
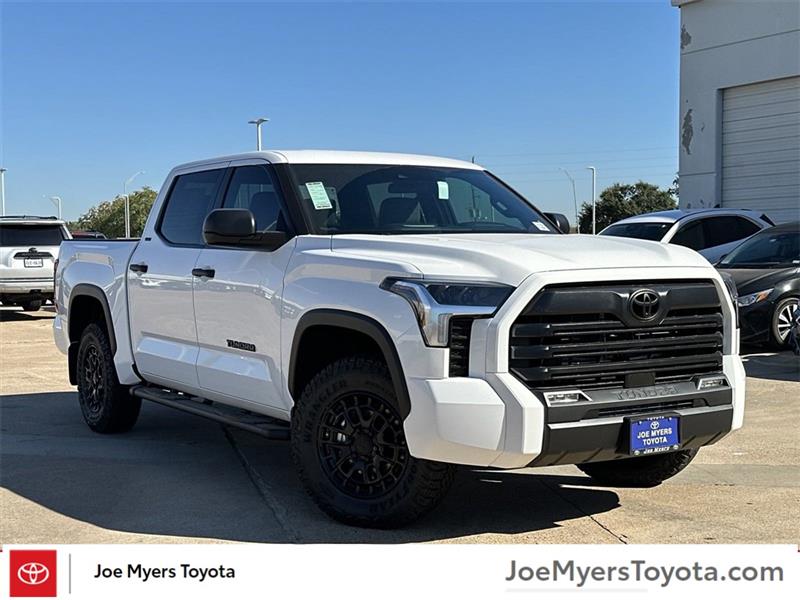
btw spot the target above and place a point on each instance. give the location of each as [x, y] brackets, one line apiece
[761, 148]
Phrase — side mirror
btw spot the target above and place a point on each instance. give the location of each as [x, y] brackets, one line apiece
[237, 227]
[560, 221]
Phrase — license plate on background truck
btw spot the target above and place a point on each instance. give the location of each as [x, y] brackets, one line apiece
[649, 435]
[33, 262]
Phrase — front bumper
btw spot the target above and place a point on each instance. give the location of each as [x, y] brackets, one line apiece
[597, 429]
[756, 321]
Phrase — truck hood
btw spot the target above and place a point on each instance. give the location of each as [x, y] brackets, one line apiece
[510, 258]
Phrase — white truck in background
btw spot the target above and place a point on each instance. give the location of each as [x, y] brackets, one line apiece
[397, 315]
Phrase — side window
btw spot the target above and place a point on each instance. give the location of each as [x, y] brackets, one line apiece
[191, 199]
[723, 230]
[691, 235]
[255, 188]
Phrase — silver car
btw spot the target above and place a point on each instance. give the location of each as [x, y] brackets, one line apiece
[28, 252]
[713, 232]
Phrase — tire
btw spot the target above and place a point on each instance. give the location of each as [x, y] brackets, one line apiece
[106, 405]
[350, 450]
[31, 305]
[781, 321]
[643, 471]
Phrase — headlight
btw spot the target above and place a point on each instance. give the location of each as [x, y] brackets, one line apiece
[753, 298]
[436, 302]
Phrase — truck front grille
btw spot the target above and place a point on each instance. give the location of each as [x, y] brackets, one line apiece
[586, 336]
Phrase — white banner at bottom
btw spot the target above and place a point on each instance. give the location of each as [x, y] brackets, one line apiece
[401, 571]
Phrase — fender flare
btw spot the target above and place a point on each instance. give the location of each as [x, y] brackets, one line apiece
[364, 325]
[93, 291]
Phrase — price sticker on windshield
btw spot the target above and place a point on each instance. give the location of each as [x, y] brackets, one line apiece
[319, 195]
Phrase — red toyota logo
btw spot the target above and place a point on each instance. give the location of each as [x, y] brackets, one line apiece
[32, 574]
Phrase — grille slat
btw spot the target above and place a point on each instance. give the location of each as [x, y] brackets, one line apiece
[551, 349]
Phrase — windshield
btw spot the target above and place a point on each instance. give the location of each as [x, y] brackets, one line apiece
[641, 231]
[388, 199]
[30, 235]
[766, 249]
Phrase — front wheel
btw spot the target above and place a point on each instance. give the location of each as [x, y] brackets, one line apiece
[350, 449]
[106, 405]
[642, 471]
[782, 319]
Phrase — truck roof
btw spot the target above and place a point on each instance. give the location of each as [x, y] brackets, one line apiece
[342, 157]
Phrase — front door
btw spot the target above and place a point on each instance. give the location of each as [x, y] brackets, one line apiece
[237, 300]
[160, 297]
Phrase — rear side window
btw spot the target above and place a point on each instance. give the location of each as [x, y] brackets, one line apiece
[723, 230]
[691, 235]
[255, 189]
[30, 235]
[191, 199]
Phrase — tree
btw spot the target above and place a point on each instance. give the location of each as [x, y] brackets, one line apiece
[109, 217]
[623, 200]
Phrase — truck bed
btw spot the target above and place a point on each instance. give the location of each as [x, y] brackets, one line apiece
[101, 265]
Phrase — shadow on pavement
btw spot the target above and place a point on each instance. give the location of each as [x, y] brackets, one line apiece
[178, 475]
[766, 364]
[8, 314]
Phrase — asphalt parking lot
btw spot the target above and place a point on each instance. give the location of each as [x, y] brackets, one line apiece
[179, 478]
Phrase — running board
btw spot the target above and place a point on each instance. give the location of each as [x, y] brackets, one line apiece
[267, 427]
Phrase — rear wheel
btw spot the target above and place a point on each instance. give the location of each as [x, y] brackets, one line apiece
[31, 305]
[106, 405]
[782, 319]
[643, 471]
[350, 449]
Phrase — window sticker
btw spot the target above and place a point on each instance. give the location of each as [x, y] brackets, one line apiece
[444, 190]
[319, 196]
[540, 226]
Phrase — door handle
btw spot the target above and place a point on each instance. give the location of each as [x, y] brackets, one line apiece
[209, 273]
[138, 267]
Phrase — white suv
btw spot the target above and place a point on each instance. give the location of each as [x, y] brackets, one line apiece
[713, 232]
[397, 315]
[29, 247]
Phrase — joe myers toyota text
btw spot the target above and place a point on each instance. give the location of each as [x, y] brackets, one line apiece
[395, 316]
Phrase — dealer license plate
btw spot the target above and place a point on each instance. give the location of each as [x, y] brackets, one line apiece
[654, 434]
[33, 262]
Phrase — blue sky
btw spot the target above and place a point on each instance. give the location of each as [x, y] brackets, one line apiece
[92, 93]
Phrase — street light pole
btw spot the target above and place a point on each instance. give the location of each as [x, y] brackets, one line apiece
[128, 203]
[56, 200]
[574, 199]
[258, 122]
[594, 196]
[2, 192]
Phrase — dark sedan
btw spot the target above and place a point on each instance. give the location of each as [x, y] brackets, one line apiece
[766, 269]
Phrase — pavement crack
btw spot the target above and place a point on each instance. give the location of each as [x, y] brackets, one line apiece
[263, 488]
[623, 539]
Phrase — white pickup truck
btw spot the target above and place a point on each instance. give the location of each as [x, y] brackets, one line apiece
[395, 316]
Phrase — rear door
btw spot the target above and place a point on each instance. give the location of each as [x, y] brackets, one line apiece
[238, 300]
[160, 296]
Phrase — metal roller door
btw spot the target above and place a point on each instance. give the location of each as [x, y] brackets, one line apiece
[761, 148]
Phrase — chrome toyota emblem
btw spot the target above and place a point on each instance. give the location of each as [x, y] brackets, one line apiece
[644, 304]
